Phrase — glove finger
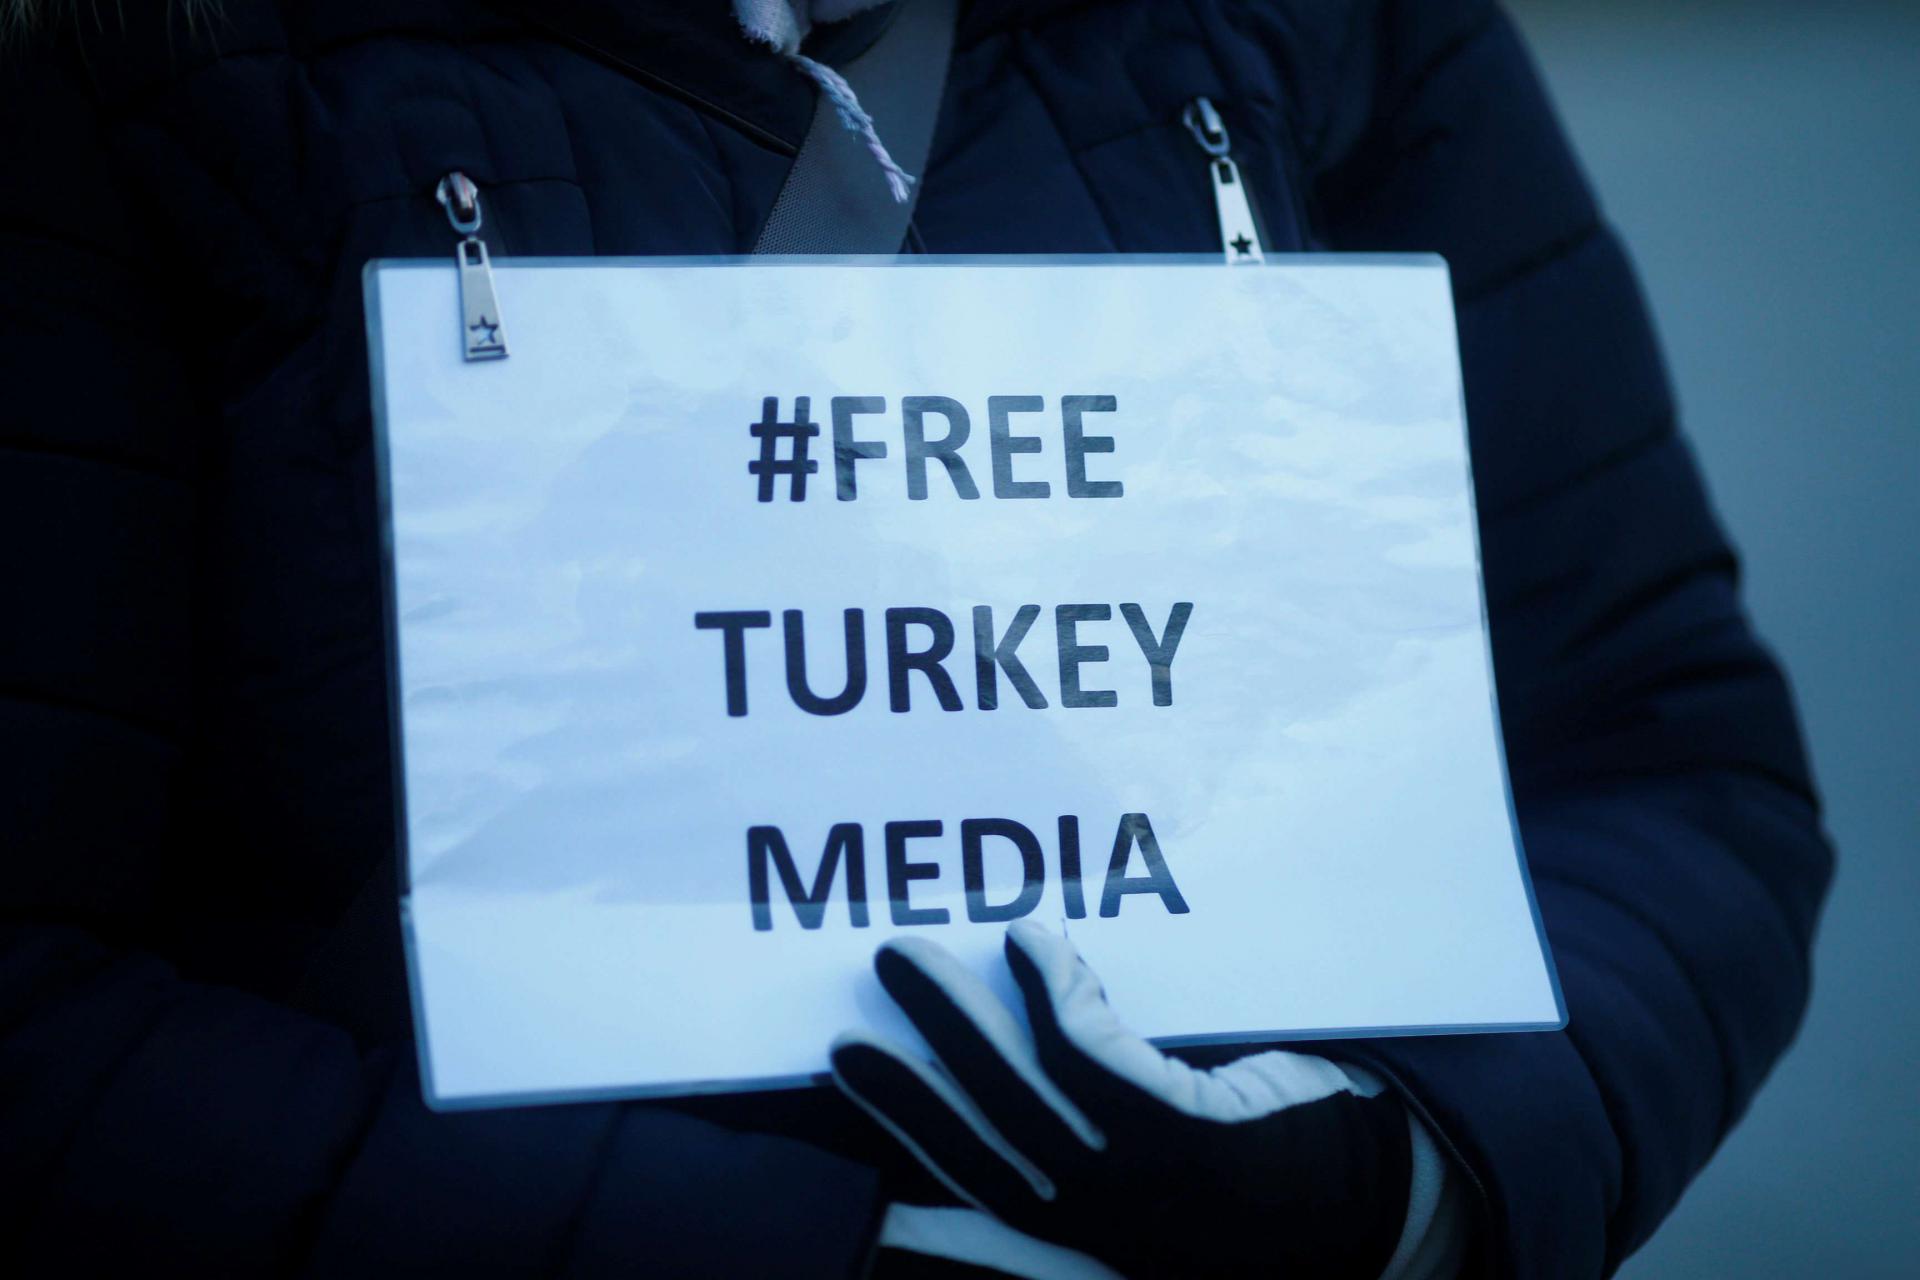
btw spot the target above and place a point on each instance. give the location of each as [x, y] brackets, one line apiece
[1104, 1067]
[940, 1127]
[986, 1050]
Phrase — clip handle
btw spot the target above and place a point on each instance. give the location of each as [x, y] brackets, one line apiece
[1239, 230]
[482, 335]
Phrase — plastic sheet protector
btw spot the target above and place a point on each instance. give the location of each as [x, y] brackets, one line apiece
[748, 613]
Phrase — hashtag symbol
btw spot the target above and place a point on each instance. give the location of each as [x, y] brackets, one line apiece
[770, 432]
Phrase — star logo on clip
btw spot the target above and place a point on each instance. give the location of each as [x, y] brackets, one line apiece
[1241, 245]
[488, 330]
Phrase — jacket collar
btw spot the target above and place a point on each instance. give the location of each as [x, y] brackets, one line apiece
[696, 51]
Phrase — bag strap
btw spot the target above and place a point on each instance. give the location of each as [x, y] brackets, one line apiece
[834, 199]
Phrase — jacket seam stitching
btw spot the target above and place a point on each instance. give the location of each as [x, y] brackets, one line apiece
[1556, 250]
[1020, 61]
[95, 457]
[1437, 61]
[150, 726]
[1614, 459]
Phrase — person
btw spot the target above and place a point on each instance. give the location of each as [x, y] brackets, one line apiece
[205, 1045]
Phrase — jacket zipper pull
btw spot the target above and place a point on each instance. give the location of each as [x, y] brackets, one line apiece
[1239, 233]
[481, 334]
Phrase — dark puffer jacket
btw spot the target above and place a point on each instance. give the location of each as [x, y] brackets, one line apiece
[203, 1033]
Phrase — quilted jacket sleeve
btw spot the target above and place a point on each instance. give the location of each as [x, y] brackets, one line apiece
[156, 1124]
[1667, 811]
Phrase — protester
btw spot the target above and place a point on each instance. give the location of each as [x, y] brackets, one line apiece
[205, 1043]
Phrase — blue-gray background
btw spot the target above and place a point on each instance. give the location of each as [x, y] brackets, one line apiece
[1763, 161]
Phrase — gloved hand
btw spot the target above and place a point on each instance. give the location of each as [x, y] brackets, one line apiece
[1083, 1134]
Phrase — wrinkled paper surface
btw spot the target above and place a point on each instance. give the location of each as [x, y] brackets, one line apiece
[1327, 787]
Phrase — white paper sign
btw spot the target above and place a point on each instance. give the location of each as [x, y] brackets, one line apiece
[1169, 633]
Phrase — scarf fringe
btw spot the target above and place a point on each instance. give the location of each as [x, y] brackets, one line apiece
[855, 118]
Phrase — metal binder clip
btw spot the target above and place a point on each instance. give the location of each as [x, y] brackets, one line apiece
[1239, 233]
[482, 335]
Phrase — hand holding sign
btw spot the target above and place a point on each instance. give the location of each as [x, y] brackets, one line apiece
[1085, 1134]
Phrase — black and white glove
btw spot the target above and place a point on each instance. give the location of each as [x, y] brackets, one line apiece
[1085, 1135]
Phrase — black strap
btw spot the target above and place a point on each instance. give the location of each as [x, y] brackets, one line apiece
[835, 199]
